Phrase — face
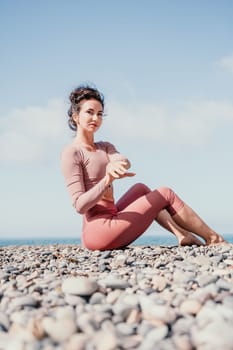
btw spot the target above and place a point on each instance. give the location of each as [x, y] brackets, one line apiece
[90, 116]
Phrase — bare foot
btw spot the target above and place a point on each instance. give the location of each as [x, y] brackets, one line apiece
[215, 240]
[189, 240]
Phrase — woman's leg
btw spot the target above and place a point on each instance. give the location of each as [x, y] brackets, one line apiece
[113, 232]
[184, 237]
[186, 218]
[136, 191]
[107, 231]
[164, 219]
[189, 220]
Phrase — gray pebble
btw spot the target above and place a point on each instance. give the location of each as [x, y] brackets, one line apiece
[152, 311]
[59, 330]
[79, 286]
[4, 321]
[125, 329]
[152, 338]
[114, 283]
[23, 301]
[206, 279]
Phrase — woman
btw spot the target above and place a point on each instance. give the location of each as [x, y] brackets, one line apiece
[90, 168]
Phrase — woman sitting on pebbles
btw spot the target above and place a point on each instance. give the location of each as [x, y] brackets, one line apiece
[90, 168]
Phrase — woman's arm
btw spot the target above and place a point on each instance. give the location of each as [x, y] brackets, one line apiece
[72, 170]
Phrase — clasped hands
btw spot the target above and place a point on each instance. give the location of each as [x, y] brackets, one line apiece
[118, 169]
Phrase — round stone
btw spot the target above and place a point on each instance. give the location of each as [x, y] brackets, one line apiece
[79, 286]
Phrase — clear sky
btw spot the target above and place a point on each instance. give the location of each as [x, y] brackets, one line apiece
[166, 70]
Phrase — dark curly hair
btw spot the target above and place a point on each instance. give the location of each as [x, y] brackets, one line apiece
[82, 92]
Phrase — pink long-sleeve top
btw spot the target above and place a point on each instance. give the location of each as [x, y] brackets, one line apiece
[84, 173]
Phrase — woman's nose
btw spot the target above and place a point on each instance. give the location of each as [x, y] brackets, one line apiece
[95, 116]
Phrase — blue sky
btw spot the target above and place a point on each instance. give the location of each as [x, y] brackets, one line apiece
[166, 70]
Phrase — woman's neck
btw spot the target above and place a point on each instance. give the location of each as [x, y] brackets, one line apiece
[85, 140]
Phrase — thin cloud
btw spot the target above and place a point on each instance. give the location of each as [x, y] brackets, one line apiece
[227, 62]
[28, 134]
[187, 124]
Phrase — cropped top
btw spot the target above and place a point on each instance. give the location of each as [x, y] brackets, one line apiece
[84, 173]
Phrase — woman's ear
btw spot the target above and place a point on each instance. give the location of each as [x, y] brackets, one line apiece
[75, 118]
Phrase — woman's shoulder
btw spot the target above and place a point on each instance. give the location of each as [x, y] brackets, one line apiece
[104, 144]
[71, 150]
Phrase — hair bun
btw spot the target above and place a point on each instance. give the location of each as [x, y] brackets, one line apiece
[74, 96]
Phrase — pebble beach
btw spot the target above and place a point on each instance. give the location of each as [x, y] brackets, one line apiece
[65, 297]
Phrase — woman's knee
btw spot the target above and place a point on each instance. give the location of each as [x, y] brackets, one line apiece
[167, 194]
[141, 188]
[165, 191]
[174, 202]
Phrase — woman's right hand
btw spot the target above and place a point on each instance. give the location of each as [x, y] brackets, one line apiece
[117, 170]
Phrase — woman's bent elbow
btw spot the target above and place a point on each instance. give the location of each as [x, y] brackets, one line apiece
[79, 209]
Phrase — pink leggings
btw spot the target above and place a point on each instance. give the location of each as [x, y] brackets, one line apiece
[112, 226]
